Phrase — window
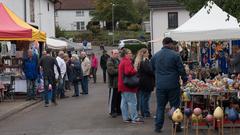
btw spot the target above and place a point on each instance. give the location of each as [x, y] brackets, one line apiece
[32, 11]
[80, 26]
[172, 20]
[80, 13]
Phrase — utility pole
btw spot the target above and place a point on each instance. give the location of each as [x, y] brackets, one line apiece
[113, 22]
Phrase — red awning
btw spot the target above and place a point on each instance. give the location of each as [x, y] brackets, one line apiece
[9, 28]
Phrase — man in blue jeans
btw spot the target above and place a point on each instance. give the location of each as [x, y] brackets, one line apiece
[86, 66]
[168, 67]
[47, 64]
[30, 68]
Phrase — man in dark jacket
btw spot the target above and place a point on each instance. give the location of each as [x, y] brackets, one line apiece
[30, 68]
[47, 64]
[168, 68]
[114, 95]
[103, 64]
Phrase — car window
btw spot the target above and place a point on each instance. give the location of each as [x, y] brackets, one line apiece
[128, 42]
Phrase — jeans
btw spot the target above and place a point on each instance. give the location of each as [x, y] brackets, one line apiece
[31, 87]
[61, 91]
[104, 75]
[76, 88]
[129, 106]
[46, 91]
[94, 73]
[144, 103]
[84, 83]
[163, 97]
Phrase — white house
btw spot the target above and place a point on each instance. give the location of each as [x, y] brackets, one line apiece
[165, 15]
[77, 13]
[39, 13]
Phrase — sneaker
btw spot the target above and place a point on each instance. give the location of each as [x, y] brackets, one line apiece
[46, 105]
[114, 115]
[75, 96]
[138, 121]
[127, 121]
[28, 99]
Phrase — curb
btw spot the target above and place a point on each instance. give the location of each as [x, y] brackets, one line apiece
[18, 109]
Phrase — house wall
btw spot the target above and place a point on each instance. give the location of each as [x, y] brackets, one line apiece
[159, 22]
[44, 18]
[70, 23]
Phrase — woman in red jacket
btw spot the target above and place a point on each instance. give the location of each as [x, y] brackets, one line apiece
[129, 100]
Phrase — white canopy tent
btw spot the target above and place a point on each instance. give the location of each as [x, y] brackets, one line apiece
[56, 44]
[209, 23]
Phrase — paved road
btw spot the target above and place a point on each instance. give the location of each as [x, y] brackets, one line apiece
[85, 115]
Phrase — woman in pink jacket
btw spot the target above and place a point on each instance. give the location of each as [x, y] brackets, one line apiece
[94, 67]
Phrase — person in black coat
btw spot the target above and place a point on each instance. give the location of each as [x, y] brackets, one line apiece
[146, 80]
[77, 74]
[103, 63]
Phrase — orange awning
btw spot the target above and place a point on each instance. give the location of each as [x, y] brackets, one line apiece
[14, 28]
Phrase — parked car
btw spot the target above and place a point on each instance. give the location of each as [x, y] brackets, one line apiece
[124, 42]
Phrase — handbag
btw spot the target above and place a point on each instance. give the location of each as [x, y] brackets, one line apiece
[131, 81]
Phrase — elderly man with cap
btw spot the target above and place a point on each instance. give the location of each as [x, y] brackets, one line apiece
[168, 67]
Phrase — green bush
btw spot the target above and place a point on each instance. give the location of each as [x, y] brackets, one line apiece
[134, 27]
[123, 25]
[59, 32]
[94, 27]
[135, 47]
[82, 36]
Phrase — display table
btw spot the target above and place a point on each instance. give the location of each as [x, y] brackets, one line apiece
[208, 101]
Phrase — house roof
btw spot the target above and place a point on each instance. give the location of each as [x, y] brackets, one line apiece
[165, 4]
[75, 5]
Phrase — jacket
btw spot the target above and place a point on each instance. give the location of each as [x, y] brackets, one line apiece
[48, 63]
[236, 63]
[146, 76]
[125, 68]
[77, 71]
[94, 63]
[62, 66]
[168, 67]
[30, 68]
[86, 66]
[69, 70]
[103, 61]
[112, 69]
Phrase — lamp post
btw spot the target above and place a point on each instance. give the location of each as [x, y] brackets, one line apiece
[113, 22]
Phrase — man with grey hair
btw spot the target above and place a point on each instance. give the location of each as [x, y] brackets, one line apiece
[86, 66]
[63, 69]
[30, 68]
[114, 100]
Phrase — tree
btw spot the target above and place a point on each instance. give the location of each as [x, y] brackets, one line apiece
[142, 9]
[230, 6]
[59, 32]
[124, 10]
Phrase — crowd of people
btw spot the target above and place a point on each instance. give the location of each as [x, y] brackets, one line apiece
[130, 80]
[53, 76]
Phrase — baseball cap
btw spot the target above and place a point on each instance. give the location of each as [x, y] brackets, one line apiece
[168, 40]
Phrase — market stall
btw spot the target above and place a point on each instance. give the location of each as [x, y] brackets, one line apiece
[208, 34]
[209, 23]
[16, 37]
[56, 44]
